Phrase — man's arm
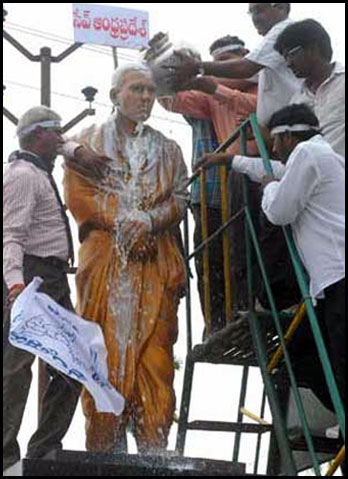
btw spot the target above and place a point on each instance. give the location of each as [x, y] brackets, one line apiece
[189, 68]
[84, 160]
[253, 167]
[18, 206]
[283, 201]
[238, 69]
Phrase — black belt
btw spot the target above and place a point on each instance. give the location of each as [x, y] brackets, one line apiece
[51, 261]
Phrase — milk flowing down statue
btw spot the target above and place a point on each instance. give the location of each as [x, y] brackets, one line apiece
[131, 272]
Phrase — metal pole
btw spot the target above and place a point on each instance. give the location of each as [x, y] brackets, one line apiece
[242, 398]
[226, 245]
[288, 337]
[205, 258]
[337, 462]
[10, 116]
[114, 55]
[188, 287]
[45, 58]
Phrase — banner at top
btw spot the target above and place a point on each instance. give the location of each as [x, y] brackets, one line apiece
[112, 26]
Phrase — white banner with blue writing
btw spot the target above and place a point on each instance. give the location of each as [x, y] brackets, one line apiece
[65, 341]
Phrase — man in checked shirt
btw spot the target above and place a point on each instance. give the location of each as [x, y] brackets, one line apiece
[36, 242]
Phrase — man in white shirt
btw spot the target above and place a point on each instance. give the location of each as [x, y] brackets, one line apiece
[306, 47]
[277, 84]
[307, 191]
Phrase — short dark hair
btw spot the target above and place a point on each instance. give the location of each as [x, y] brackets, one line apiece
[307, 33]
[225, 41]
[296, 114]
[284, 5]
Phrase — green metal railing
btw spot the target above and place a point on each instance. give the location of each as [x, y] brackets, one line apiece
[253, 248]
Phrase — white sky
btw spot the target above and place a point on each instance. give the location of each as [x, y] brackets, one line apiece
[199, 25]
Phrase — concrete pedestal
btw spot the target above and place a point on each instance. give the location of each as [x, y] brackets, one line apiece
[73, 463]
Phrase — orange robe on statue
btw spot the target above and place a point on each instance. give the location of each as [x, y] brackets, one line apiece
[132, 291]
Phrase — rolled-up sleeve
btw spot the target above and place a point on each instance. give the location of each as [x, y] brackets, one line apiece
[254, 167]
[19, 202]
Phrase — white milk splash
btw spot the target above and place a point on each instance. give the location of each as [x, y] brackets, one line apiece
[123, 295]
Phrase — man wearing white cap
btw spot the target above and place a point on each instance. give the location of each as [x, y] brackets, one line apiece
[307, 191]
[36, 242]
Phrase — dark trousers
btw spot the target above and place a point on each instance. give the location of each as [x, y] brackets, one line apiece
[62, 393]
[216, 266]
[304, 354]
[333, 313]
[273, 247]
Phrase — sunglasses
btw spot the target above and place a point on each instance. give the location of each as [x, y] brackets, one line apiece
[290, 54]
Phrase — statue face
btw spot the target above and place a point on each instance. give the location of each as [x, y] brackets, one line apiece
[136, 97]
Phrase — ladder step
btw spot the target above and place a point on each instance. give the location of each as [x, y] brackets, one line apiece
[233, 345]
[321, 444]
[228, 427]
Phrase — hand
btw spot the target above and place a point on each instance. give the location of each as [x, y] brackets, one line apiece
[134, 231]
[13, 294]
[87, 162]
[267, 179]
[213, 159]
[183, 68]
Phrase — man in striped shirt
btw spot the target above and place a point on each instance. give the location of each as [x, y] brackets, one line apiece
[36, 242]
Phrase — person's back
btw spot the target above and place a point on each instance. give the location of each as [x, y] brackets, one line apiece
[321, 225]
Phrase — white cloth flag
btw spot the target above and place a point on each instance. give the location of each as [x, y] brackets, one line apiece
[65, 341]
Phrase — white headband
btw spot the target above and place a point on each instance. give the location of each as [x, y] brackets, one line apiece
[43, 124]
[299, 127]
[226, 48]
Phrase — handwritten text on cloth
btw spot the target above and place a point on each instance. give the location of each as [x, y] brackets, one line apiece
[65, 341]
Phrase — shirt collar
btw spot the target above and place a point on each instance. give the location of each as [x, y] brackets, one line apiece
[280, 25]
[338, 69]
[29, 153]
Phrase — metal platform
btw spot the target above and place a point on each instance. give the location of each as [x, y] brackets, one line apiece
[72, 463]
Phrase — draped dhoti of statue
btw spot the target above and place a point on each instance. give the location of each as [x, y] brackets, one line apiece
[131, 271]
